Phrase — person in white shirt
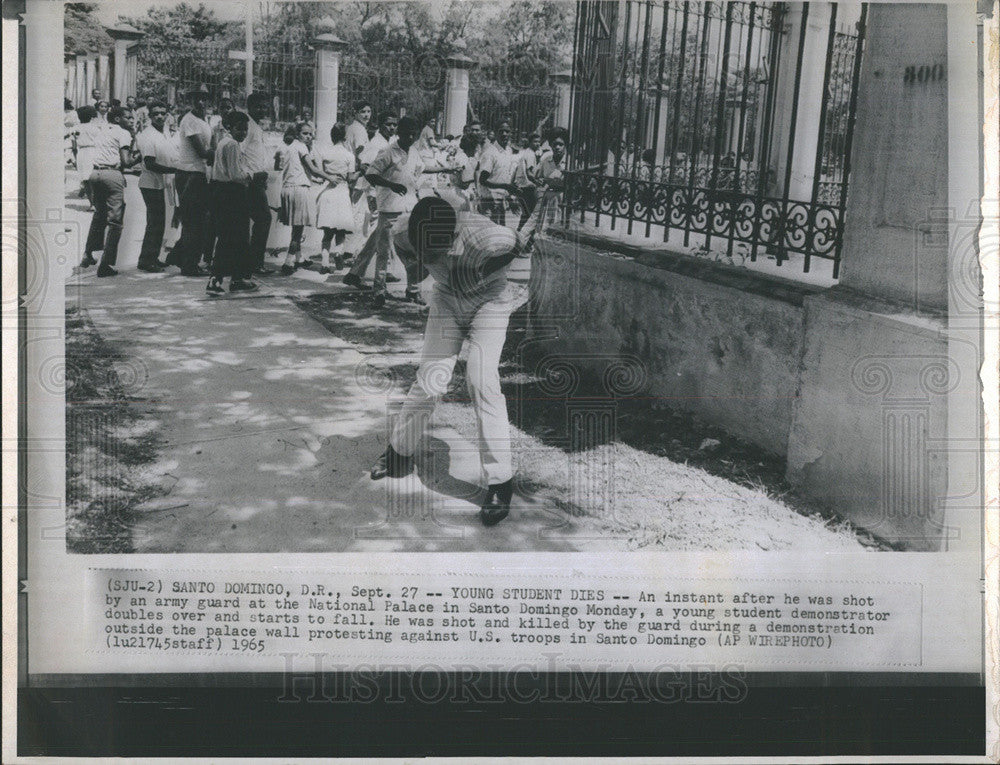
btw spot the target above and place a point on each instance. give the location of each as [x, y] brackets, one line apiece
[194, 157]
[298, 204]
[231, 178]
[527, 161]
[364, 202]
[337, 168]
[394, 174]
[496, 175]
[156, 156]
[480, 273]
[112, 155]
[357, 131]
[258, 159]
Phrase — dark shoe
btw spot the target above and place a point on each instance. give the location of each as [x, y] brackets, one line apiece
[306, 264]
[353, 280]
[106, 271]
[263, 271]
[150, 268]
[391, 278]
[215, 287]
[377, 299]
[338, 262]
[325, 270]
[162, 264]
[413, 296]
[497, 504]
[243, 285]
[287, 270]
[348, 259]
[391, 464]
[195, 271]
[87, 262]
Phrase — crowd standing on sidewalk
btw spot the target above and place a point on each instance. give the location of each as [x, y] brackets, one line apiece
[352, 181]
[460, 210]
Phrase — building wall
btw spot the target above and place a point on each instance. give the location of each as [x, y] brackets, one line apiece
[723, 344]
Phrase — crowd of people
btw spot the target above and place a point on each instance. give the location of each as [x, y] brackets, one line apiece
[351, 180]
[461, 210]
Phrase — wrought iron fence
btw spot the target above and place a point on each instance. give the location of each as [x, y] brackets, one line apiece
[393, 84]
[719, 121]
[166, 73]
[286, 71]
[528, 109]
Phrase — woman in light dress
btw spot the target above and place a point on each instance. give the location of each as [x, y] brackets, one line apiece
[338, 170]
[298, 205]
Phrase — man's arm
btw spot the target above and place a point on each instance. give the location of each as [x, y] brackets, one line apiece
[198, 144]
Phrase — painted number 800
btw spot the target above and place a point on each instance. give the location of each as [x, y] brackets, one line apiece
[924, 73]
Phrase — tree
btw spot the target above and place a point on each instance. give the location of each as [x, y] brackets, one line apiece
[82, 30]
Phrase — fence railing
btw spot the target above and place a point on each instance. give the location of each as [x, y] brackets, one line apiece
[723, 123]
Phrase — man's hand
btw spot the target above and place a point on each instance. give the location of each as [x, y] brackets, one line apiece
[399, 188]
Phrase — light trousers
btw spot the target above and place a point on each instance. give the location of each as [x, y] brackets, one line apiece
[483, 322]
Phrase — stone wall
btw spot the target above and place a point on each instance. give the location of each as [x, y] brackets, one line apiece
[721, 343]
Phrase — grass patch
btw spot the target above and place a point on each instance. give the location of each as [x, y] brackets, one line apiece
[107, 441]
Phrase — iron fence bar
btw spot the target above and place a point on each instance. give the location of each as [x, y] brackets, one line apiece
[719, 114]
[641, 100]
[852, 116]
[820, 147]
[621, 106]
[790, 154]
[743, 110]
[777, 20]
[696, 137]
[677, 115]
[659, 103]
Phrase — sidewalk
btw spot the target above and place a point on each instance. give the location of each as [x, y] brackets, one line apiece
[269, 420]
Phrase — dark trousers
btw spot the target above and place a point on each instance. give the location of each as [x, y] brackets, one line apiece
[108, 188]
[230, 202]
[529, 198]
[193, 191]
[260, 217]
[156, 222]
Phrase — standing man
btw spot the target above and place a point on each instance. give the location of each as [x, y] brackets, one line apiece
[496, 175]
[357, 131]
[258, 161]
[357, 141]
[524, 178]
[394, 174]
[230, 180]
[193, 158]
[112, 155]
[367, 201]
[154, 149]
[480, 272]
[217, 123]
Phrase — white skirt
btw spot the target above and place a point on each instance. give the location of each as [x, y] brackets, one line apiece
[334, 208]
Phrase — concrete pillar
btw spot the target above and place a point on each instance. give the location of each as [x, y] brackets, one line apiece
[329, 49]
[80, 95]
[563, 82]
[810, 98]
[456, 97]
[887, 415]
[124, 36]
[92, 83]
[899, 165]
[104, 75]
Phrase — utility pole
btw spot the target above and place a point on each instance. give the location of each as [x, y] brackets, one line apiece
[248, 64]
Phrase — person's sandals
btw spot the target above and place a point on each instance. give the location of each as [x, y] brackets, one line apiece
[214, 287]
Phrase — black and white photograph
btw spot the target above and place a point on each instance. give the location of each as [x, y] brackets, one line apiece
[684, 320]
[669, 326]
